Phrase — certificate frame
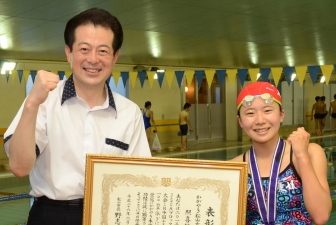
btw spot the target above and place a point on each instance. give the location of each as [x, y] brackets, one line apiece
[105, 174]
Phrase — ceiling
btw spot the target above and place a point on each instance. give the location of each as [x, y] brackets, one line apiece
[182, 33]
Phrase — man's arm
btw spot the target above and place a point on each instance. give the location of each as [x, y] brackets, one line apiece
[22, 154]
[189, 124]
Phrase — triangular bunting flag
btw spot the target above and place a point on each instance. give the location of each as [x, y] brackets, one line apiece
[179, 77]
[254, 74]
[116, 75]
[33, 74]
[142, 77]
[326, 71]
[124, 76]
[288, 71]
[169, 77]
[301, 73]
[61, 74]
[160, 78]
[209, 74]
[133, 76]
[276, 73]
[199, 77]
[20, 75]
[313, 71]
[14, 75]
[220, 76]
[151, 75]
[231, 75]
[189, 76]
[68, 74]
[26, 75]
[242, 74]
[265, 72]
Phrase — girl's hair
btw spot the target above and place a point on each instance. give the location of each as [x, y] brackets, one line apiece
[148, 103]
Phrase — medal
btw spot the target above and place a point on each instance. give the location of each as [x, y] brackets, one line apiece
[267, 210]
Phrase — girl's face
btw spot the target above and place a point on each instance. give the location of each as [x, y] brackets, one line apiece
[260, 120]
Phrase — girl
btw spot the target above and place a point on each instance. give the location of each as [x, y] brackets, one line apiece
[287, 182]
[148, 118]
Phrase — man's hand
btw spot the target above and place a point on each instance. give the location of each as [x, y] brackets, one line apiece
[44, 83]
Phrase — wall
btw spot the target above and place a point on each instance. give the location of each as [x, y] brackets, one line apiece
[166, 106]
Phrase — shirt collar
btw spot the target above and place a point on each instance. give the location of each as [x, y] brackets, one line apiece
[69, 91]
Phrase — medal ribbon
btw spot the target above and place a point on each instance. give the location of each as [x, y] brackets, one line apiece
[267, 211]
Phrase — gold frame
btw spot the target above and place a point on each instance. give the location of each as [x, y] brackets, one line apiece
[232, 189]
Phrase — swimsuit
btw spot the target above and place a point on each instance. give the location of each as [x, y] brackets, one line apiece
[319, 116]
[184, 129]
[146, 121]
[290, 207]
[333, 115]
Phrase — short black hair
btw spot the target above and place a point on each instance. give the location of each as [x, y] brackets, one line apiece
[186, 105]
[97, 17]
[148, 103]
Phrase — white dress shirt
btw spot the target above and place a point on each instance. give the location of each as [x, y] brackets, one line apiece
[67, 129]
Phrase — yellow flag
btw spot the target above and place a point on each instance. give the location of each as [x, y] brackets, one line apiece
[26, 75]
[150, 75]
[326, 71]
[189, 74]
[169, 76]
[116, 76]
[67, 74]
[232, 73]
[14, 75]
[254, 74]
[209, 74]
[276, 73]
[301, 73]
[133, 75]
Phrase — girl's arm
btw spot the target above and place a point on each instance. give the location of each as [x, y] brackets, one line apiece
[152, 120]
[310, 161]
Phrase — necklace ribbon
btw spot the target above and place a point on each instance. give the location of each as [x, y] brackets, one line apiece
[267, 210]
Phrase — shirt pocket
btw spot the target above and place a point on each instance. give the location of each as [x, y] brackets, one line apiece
[113, 146]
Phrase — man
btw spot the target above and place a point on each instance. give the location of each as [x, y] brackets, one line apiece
[332, 111]
[62, 121]
[184, 121]
[318, 113]
[323, 107]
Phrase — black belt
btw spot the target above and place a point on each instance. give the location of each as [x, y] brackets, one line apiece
[71, 203]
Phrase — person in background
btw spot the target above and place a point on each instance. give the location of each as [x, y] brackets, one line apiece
[332, 112]
[148, 117]
[184, 122]
[315, 115]
[287, 181]
[324, 114]
[60, 122]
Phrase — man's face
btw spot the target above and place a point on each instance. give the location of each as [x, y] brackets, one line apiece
[92, 58]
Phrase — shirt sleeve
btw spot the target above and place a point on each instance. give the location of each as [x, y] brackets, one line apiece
[138, 143]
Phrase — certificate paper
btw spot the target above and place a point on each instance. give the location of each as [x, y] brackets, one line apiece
[161, 191]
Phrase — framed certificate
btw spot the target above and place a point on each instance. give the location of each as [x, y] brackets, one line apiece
[158, 191]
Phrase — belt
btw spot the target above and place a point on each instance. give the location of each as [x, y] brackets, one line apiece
[71, 203]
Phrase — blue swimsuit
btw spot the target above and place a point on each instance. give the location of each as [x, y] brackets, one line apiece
[291, 209]
[147, 121]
